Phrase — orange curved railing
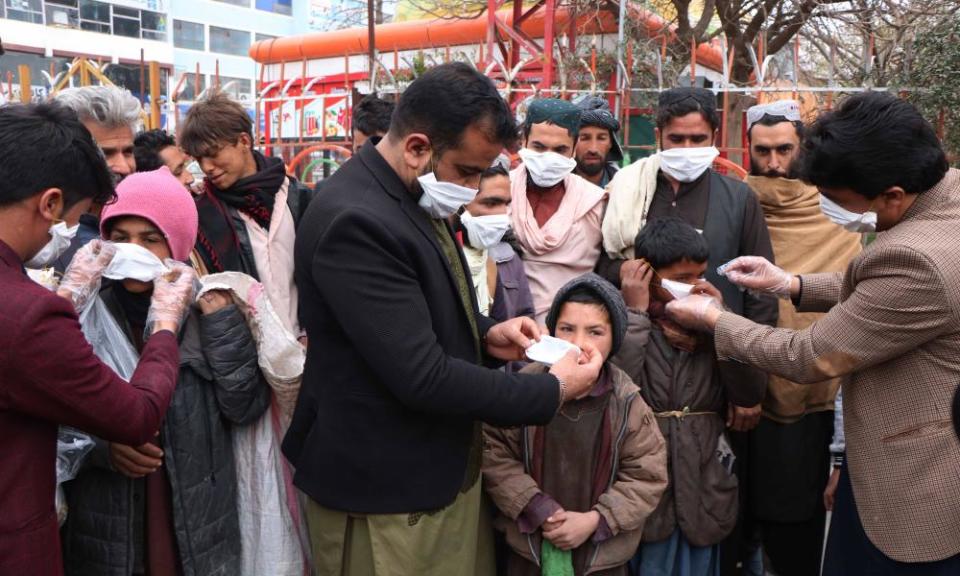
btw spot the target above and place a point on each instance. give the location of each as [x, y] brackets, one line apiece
[305, 153]
[418, 34]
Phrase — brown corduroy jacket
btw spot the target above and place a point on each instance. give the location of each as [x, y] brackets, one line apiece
[892, 330]
[637, 480]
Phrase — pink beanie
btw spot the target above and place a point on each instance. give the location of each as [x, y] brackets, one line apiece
[159, 197]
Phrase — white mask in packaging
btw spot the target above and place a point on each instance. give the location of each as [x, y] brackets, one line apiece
[134, 262]
[60, 238]
[852, 221]
[546, 168]
[549, 350]
[443, 199]
[485, 231]
[678, 290]
[687, 164]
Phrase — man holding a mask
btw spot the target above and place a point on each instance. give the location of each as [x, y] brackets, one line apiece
[891, 330]
[385, 437]
[52, 171]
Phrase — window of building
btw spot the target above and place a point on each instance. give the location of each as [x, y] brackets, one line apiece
[191, 86]
[61, 16]
[95, 11]
[95, 16]
[25, 10]
[188, 35]
[260, 37]
[128, 76]
[154, 25]
[227, 41]
[276, 6]
[237, 88]
[126, 27]
[244, 3]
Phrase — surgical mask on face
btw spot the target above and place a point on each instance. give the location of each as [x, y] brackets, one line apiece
[443, 199]
[687, 164]
[485, 231]
[546, 168]
[852, 221]
[678, 290]
[134, 262]
[60, 237]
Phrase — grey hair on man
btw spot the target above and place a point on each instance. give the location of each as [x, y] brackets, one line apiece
[108, 106]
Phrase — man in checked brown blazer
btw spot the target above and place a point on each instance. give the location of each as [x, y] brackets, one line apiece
[892, 330]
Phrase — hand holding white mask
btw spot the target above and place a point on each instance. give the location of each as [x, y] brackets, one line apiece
[546, 168]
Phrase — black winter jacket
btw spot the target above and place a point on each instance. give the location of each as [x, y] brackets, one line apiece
[220, 384]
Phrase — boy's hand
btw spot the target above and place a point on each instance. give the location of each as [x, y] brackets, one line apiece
[554, 521]
[743, 418]
[635, 285]
[830, 493]
[576, 527]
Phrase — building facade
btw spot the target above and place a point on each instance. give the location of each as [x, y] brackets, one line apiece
[196, 42]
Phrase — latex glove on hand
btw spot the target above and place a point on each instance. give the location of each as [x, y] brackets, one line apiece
[82, 277]
[173, 294]
[695, 312]
[759, 276]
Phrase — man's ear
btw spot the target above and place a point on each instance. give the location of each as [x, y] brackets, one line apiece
[656, 138]
[892, 199]
[417, 151]
[245, 141]
[51, 204]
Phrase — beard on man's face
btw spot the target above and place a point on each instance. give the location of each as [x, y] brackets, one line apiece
[755, 170]
[591, 166]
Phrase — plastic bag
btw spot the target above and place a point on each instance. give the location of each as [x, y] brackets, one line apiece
[272, 525]
[72, 448]
[110, 344]
[108, 340]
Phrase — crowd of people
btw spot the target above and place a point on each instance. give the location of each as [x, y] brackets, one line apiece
[481, 346]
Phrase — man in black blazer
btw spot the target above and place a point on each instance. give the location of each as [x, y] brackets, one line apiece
[385, 437]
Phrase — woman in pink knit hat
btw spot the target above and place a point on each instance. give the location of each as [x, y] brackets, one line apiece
[168, 506]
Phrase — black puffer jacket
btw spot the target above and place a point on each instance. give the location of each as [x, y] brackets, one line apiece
[220, 384]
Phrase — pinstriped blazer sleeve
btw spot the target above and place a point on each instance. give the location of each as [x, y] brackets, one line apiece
[899, 302]
[820, 292]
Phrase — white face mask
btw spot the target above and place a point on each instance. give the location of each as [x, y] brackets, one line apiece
[485, 231]
[678, 290]
[687, 164]
[443, 199]
[546, 168]
[134, 262]
[852, 221]
[60, 238]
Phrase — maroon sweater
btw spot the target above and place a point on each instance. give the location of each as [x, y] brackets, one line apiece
[50, 376]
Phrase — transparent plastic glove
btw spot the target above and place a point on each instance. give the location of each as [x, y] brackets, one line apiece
[173, 293]
[696, 312]
[82, 278]
[758, 276]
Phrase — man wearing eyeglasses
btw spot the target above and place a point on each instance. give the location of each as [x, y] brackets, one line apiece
[679, 181]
